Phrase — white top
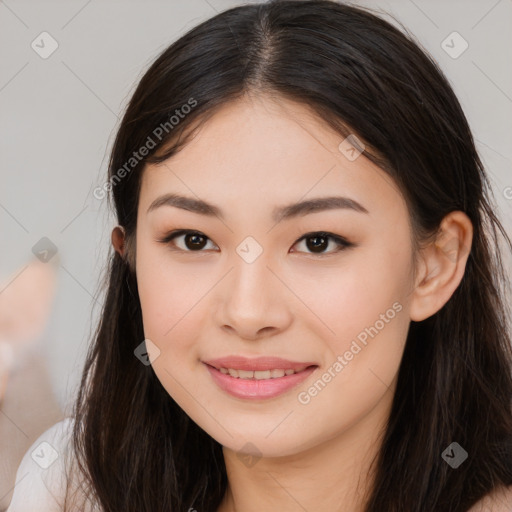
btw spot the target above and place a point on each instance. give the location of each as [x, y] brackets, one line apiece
[41, 477]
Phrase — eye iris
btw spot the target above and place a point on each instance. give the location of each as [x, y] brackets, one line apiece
[316, 245]
[195, 241]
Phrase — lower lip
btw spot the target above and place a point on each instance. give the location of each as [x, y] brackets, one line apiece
[258, 389]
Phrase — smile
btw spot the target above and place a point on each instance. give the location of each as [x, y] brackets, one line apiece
[258, 384]
[259, 375]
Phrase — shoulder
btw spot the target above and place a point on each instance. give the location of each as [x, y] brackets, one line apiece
[500, 500]
[41, 476]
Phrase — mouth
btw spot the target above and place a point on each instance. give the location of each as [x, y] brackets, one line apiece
[258, 378]
[258, 364]
[274, 373]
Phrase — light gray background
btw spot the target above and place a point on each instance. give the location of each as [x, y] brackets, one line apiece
[59, 115]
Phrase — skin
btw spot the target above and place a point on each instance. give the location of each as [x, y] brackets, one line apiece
[250, 157]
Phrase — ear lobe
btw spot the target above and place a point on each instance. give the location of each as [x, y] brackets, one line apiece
[118, 238]
[443, 266]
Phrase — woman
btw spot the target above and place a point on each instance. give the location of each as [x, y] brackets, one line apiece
[305, 307]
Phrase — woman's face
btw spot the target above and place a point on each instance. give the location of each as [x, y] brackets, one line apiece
[247, 286]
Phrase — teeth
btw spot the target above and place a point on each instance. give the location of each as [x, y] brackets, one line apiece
[242, 374]
[258, 375]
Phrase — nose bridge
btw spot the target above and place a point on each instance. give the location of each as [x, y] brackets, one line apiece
[251, 260]
[252, 298]
[251, 282]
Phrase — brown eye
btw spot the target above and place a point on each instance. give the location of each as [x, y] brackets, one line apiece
[194, 241]
[318, 242]
[190, 241]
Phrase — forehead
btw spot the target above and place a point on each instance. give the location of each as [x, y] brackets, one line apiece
[258, 151]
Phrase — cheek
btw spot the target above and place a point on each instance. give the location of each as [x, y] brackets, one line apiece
[365, 306]
[171, 313]
[169, 297]
[368, 314]
[171, 316]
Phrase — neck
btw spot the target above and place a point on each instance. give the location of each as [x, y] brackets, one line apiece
[336, 474]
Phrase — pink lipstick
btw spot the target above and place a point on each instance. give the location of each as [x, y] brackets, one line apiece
[258, 378]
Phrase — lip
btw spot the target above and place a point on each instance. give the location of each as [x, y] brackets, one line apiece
[254, 389]
[258, 363]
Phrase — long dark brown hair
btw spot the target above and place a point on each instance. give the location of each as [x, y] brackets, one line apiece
[135, 447]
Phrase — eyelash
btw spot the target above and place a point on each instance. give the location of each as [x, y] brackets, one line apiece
[342, 243]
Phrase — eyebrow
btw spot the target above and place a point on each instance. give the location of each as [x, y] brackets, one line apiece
[279, 213]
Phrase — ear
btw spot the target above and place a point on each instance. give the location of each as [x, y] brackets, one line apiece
[441, 266]
[118, 235]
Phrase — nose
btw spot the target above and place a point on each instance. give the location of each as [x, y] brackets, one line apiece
[252, 302]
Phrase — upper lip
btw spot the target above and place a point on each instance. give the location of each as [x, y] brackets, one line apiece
[258, 363]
